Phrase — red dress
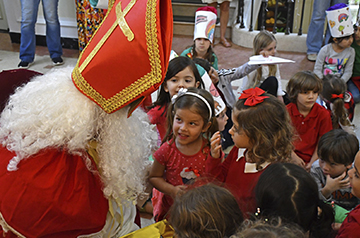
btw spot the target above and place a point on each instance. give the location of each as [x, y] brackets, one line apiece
[180, 169]
[240, 183]
[52, 194]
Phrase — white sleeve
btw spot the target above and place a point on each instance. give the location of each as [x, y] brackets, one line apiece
[280, 91]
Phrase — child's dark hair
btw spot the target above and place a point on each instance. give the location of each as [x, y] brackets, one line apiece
[208, 211]
[333, 85]
[339, 146]
[268, 127]
[208, 56]
[203, 63]
[175, 66]
[194, 104]
[301, 82]
[286, 190]
[338, 40]
[269, 228]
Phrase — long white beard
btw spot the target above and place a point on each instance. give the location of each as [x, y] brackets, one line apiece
[125, 145]
[50, 112]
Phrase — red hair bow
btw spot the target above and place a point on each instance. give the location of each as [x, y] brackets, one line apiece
[337, 96]
[253, 96]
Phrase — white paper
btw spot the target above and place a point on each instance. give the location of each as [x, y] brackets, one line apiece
[259, 59]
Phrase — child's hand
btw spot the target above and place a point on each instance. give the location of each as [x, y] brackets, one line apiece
[337, 183]
[265, 53]
[178, 190]
[214, 76]
[215, 145]
[297, 160]
[308, 166]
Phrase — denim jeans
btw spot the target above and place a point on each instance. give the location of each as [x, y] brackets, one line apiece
[315, 35]
[29, 10]
[353, 90]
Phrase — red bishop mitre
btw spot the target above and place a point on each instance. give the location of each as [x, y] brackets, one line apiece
[127, 58]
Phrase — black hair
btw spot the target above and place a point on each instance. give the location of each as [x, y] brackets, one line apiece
[339, 146]
[338, 39]
[288, 191]
[175, 66]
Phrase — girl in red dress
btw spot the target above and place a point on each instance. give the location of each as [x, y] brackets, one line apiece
[262, 135]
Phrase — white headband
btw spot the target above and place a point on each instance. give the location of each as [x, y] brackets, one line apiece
[184, 91]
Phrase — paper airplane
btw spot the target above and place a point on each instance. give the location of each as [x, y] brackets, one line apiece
[259, 59]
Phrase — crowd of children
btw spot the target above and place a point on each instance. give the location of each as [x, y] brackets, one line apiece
[294, 168]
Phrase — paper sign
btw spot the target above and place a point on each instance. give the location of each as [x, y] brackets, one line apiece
[259, 59]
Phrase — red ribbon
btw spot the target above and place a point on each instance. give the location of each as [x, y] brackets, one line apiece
[196, 172]
[253, 96]
[337, 96]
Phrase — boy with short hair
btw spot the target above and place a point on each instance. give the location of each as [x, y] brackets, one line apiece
[336, 151]
[310, 120]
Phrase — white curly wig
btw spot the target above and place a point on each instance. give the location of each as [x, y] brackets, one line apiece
[50, 112]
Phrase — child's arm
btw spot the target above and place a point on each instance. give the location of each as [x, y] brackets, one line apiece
[226, 76]
[297, 160]
[215, 145]
[157, 180]
[349, 66]
[333, 184]
[320, 59]
[314, 157]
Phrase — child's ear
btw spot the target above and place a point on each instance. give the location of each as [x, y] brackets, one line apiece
[165, 87]
[206, 127]
[197, 84]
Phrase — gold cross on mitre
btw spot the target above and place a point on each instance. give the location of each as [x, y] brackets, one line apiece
[120, 15]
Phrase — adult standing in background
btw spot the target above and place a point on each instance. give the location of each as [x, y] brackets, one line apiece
[315, 36]
[224, 17]
[29, 12]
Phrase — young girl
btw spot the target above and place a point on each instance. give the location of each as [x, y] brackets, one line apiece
[310, 120]
[181, 73]
[205, 20]
[351, 225]
[337, 57]
[338, 102]
[207, 211]
[267, 77]
[286, 190]
[181, 159]
[261, 127]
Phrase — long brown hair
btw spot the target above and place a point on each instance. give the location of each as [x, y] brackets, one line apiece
[268, 127]
[335, 85]
[261, 41]
[207, 211]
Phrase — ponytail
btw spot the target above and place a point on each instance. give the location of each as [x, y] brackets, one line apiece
[339, 114]
[322, 225]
